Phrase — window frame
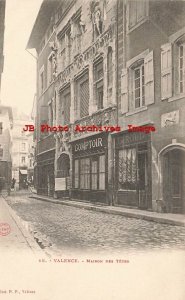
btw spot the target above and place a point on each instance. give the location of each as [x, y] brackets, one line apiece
[98, 82]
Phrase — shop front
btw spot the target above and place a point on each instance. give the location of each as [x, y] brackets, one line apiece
[133, 170]
[90, 168]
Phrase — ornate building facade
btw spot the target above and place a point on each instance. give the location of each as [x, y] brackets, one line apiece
[76, 85]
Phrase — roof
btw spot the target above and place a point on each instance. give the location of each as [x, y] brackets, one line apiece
[42, 22]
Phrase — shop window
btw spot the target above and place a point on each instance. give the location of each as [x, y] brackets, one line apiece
[138, 11]
[76, 174]
[102, 172]
[127, 169]
[85, 173]
[94, 174]
[137, 81]
[98, 82]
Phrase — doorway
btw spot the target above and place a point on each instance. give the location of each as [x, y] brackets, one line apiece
[173, 180]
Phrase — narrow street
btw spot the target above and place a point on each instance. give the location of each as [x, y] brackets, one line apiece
[68, 229]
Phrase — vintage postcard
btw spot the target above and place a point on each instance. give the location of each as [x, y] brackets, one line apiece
[92, 149]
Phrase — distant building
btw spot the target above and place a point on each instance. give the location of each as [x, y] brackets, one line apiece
[21, 154]
[6, 123]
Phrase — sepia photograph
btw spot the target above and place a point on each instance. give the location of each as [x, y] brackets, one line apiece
[92, 149]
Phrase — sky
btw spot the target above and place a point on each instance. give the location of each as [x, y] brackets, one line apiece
[19, 75]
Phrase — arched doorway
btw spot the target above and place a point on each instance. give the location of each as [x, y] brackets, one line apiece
[173, 175]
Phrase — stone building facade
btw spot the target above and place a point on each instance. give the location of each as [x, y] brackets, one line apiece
[150, 168]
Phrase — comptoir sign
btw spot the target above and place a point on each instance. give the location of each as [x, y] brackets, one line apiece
[86, 145]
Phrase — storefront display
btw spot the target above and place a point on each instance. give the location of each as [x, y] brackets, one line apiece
[90, 168]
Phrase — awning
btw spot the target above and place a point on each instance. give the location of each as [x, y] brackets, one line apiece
[23, 172]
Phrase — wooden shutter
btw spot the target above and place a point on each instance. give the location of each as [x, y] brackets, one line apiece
[149, 78]
[124, 91]
[166, 71]
[84, 98]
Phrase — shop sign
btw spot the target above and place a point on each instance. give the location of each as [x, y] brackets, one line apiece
[60, 184]
[131, 138]
[91, 145]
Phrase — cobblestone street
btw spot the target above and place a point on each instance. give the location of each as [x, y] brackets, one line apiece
[78, 230]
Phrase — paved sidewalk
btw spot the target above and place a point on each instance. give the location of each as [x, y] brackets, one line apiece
[15, 238]
[164, 218]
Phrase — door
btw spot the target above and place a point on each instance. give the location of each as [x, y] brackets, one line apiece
[142, 179]
[172, 181]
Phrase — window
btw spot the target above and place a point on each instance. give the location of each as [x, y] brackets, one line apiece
[98, 82]
[23, 159]
[23, 146]
[102, 172]
[42, 80]
[76, 174]
[65, 103]
[109, 67]
[138, 82]
[82, 96]
[138, 11]
[1, 127]
[182, 68]
[139, 86]
[50, 111]
[91, 172]
[63, 52]
[85, 173]
[50, 69]
[94, 174]
[65, 48]
[76, 33]
[127, 169]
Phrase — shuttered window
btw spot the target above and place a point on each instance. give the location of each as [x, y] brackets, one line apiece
[149, 78]
[166, 71]
[84, 98]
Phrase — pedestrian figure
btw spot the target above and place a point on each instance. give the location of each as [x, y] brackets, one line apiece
[13, 183]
